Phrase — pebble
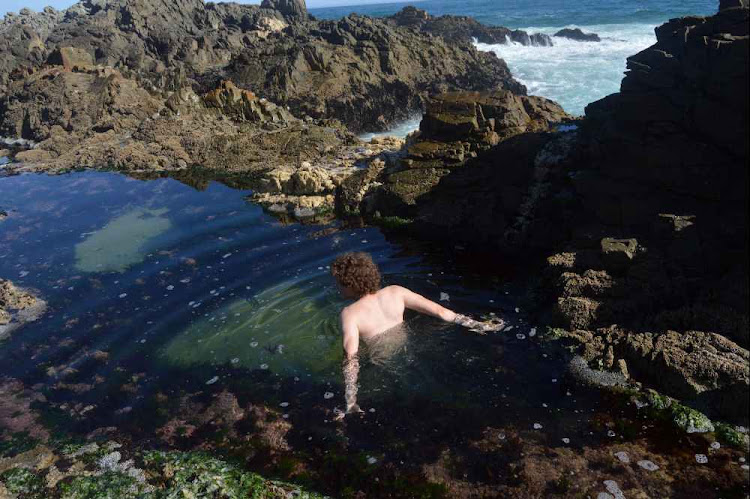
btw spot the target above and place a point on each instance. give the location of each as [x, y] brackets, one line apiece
[328, 395]
[264, 366]
[715, 445]
[532, 332]
[444, 296]
[284, 404]
[648, 465]
[170, 287]
[610, 433]
[501, 436]
[614, 489]
[622, 456]
[701, 459]
[226, 256]
[254, 344]
[372, 410]
[538, 426]
[521, 336]
[745, 467]
[212, 380]
[518, 310]
[371, 460]
[235, 360]
[123, 295]
[566, 440]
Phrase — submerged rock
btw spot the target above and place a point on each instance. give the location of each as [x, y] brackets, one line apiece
[17, 307]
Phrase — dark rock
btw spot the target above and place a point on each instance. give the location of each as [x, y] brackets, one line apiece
[484, 144]
[577, 35]
[368, 73]
[465, 29]
[289, 8]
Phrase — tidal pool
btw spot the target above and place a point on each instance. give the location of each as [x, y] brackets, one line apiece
[190, 318]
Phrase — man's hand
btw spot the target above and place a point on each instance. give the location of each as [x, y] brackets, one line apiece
[485, 327]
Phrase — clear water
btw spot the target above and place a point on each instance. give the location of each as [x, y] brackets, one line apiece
[571, 73]
[198, 296]
[164, 276]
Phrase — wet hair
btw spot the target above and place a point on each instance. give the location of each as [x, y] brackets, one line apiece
[357, 272]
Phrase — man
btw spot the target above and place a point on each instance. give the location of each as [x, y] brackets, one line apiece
[377, 311]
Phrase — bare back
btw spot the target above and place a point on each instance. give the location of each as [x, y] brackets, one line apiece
[378, 312]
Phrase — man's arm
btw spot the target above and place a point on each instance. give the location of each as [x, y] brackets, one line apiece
[419, 303]
[351, 363]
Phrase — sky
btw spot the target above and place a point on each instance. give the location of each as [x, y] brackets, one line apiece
[16, 5]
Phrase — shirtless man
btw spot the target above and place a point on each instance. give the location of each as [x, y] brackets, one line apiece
[378, 310]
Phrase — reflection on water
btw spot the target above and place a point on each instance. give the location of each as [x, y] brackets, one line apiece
[122, 242]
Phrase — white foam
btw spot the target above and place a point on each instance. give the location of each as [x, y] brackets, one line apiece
[399, 130]
[575, 73]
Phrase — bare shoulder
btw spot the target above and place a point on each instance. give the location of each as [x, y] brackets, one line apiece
[393, 290]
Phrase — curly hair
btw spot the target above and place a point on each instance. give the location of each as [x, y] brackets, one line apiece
[357, 272]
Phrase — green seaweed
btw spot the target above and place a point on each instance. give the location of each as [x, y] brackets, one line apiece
[108, 485]
[393, 223]
[122, 242]
[23, 483]
[193, 474]
[727, 434]
[17, 443]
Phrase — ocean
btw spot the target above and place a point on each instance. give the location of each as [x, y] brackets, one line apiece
[571, 73]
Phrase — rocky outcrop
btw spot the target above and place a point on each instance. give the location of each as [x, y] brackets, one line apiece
[465, 29]
[655, 215]
[365, 72]
[243, 105]
[289, 8]
[577, 35]
[462, 137]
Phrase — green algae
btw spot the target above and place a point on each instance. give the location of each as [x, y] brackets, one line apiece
[122, 242]
[23, 483]
[108, 485]
[729, 435]
[393, 223]
[17, 443]
[291, 328]
[193, 474]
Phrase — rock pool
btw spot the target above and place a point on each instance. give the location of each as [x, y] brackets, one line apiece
[191, 319]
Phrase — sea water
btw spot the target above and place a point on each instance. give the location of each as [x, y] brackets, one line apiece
[571, 73]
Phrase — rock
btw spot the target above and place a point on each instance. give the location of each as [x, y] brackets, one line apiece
[577, 35]
[368, 73]
[618, 253]
[71, 58]
[289, 8]
[243, 105]
[465, 29]
[705, 369]
[463, 139]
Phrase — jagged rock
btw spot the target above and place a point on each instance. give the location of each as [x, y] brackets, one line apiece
[577, 35]
[244, 105]
[465, 29]
[618, 253]
[704, 368]
[71, 58]
[290, 8]
[368, 73]
[461, 137]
